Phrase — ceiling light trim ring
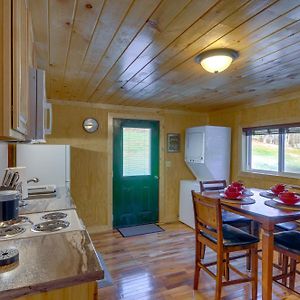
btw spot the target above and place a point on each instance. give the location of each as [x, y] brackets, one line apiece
[216, 52]
[216, 60]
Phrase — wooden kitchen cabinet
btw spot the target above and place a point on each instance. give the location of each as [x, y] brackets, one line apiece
[83, 291]
[20, 67]
[16, 57]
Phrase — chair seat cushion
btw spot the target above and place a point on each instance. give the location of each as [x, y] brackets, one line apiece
[286, 226]
[233, 236]
[288, 240]
[232, 219]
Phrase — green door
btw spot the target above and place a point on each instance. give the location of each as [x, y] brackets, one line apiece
[135, 172]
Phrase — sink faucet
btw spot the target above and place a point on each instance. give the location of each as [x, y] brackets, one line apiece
[34, 179]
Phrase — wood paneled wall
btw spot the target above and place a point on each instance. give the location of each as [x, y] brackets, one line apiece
[239, 117]
[90, 154]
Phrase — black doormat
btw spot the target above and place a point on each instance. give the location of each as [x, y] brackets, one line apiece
[140, 230]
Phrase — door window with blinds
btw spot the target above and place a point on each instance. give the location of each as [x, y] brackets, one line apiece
[274, 149]
[136, 151]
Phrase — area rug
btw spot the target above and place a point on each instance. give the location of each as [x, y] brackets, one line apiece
[140, 230]
[107, 280]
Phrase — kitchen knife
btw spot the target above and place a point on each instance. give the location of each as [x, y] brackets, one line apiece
[5, 177]
[8, 179]
[14, 180]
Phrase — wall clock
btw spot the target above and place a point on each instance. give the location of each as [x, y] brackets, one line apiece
[90, 125]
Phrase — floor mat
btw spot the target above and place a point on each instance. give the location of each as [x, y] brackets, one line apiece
[140, 230]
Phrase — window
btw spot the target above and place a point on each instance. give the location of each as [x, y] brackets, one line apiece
[136, 151]
[274, 149]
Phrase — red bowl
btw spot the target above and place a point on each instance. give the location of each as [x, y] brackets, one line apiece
[288, 197]
[278, 188]
[231, 189]
[238, 185]
[231, 192]
[233, 196]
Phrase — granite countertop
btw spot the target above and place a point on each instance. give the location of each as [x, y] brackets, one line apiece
[49, 262]
[61, 201]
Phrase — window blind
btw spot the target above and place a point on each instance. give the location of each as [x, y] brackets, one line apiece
[293, 130]
[136, 151]
[272, 129]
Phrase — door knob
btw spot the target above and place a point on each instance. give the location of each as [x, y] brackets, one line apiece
[156, 177]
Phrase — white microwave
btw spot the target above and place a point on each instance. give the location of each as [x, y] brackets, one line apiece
[39, 109]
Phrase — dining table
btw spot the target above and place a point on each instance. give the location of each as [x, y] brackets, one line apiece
[268, 217]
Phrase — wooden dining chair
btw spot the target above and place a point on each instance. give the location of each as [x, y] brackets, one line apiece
[287, 226]
[287, 244]
[228, 217]
[223, 239]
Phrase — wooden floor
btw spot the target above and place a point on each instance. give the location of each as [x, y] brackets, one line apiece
[161, 265]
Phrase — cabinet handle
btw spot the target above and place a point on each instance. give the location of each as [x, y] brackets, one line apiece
[48, 108]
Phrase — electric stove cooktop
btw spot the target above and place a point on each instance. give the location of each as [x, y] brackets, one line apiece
[36, 224]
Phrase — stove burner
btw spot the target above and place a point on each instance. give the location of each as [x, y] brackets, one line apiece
[8, 256]
[50, 226]
[54, 216]
[18, 220]
[11, 231]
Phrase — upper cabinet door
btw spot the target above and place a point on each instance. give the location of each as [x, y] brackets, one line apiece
[20, 68]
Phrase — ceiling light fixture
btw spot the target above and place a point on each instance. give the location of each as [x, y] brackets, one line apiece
[216, 60]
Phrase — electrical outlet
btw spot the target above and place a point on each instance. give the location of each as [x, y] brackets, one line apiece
[168, 164]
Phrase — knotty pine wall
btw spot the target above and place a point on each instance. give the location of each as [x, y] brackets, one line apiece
[90, 155]
[239, 117]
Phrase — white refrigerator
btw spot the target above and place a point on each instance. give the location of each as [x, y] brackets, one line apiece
[207, 155]
[49, 163]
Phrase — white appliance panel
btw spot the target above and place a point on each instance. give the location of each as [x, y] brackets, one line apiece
[207, 155]
[207, 152]
[186, 211]
[195, 146]
[49, 163]
[40, 110]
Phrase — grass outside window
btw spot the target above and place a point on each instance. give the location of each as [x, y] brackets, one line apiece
[274, 153]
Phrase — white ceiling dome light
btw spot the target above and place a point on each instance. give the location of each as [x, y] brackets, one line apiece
[216, 60]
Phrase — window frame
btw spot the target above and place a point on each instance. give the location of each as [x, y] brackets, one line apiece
[247, 152]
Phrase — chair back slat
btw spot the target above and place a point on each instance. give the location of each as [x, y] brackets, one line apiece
[212, 185]
[208, 216]
[207, 230]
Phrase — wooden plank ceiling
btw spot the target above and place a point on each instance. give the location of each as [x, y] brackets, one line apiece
[141, 52]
